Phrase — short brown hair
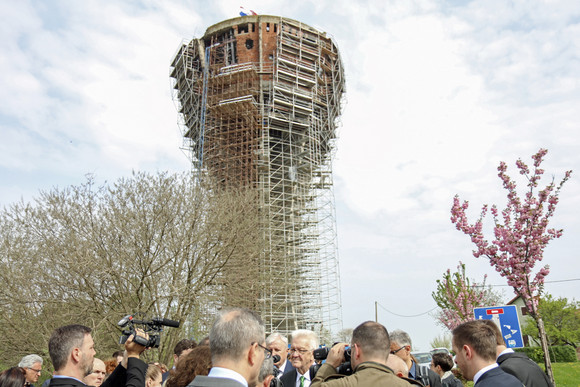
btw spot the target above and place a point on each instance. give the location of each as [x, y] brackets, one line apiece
[373, 338]
[443, 360]
[477, 335]
[498, 336]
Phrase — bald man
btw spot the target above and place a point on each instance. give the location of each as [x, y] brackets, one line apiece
[96, 377]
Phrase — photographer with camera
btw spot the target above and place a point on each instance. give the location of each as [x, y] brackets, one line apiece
[369, 352]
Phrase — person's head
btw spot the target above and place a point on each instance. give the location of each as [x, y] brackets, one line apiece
[182, 348]
[499, 341]
[441, 363]
[118, 356]
[303, 343]
[13, 377]
[237, 341]
[196, 362]
[153, 376]
[398, 366]
[96, 377]
[278, 344]
[266, 373]
[401, 345]
[474, 344]
[72, 350]
[370, 342]
[204, 341]
[110, 366]
[32, 365]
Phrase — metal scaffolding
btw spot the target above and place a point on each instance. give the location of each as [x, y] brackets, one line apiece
[259, 99]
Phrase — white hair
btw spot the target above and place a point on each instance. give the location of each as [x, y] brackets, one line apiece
[310, 336]
[29, 360]
[276, 336]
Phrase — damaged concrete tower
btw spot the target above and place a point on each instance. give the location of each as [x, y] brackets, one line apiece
[259, 99]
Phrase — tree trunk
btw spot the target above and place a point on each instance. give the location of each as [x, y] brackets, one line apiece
[544, 342]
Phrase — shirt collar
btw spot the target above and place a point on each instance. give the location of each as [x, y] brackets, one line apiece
[220, 372]
[483, 371]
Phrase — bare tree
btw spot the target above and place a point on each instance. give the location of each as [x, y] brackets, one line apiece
[156, 244]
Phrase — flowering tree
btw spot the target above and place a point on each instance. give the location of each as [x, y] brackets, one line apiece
[457, 297]
[521, 234]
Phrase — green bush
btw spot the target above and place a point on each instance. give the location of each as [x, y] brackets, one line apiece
[558, 353]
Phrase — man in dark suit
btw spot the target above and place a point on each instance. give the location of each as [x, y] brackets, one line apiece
[237, 343]
[475, 346]
[518, 364]
[304, 342]
[278, 344]
[72, 351]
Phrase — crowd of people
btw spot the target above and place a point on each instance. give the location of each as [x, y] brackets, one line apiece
[237, 353]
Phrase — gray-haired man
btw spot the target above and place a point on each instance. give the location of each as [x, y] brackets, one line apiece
[237, 343]
[32, 364]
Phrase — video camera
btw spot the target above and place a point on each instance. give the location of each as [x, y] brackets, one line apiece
[153, 327]
[322, 353]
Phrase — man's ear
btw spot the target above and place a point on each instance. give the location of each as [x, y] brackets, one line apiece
[468, 351]
[267, 381]
[357, 351]
[252, 353]
[76, 355]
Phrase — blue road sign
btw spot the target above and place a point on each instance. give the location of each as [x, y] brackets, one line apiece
[506, 318]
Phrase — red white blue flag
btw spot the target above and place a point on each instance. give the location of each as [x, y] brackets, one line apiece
[245, 12]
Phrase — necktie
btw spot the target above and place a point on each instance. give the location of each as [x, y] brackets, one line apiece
[302, 381]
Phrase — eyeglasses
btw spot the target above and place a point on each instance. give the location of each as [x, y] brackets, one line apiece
[300, 351]
[267, 352]
[32, 369]
[393, 352]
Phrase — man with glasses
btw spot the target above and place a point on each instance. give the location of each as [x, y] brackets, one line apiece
[237, 344]
[401, 346]
[301, 357]
[32, 365]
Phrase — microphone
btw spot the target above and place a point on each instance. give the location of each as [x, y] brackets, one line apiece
[165, 321]
[276, 358]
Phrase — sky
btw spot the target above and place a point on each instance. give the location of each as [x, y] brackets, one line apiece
[438, 93]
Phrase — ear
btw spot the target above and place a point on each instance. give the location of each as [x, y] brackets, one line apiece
[400, 374]
[357, 351]
[468, 351]
[252, 354]
[76, 355]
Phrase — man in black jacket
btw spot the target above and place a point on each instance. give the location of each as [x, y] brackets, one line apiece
[72, 351]
[518, 364]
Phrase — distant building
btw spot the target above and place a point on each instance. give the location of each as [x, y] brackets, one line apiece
[259, 99]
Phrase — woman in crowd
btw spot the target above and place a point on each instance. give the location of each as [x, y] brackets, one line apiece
[153, 376]
[197, 362]
[13, 377]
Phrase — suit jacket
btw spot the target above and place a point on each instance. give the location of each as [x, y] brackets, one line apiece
[526, 370]
[289, 367]
[206, 381]
[289, 378]
[65, 382]
[496, 377]
[133, 376]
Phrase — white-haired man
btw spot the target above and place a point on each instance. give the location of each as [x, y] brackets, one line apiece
[278, 344]
[301, 357]
[32, 365]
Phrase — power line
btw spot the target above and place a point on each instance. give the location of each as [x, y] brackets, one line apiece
[400, 315]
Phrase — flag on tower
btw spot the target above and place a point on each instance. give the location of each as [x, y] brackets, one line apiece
[245, 12]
